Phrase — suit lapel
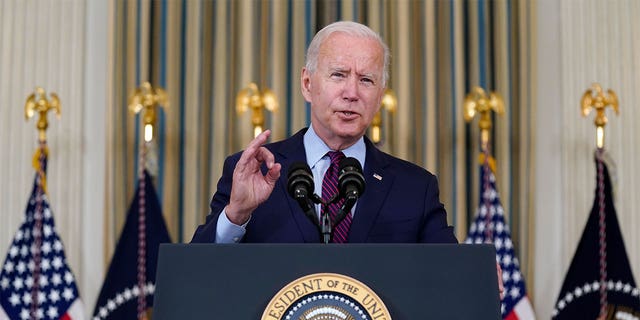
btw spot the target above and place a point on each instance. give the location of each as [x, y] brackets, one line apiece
[288, 152]
[378, 181]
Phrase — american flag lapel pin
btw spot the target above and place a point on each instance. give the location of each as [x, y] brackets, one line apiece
[377, 176]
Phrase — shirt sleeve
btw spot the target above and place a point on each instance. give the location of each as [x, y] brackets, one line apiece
[227, 231]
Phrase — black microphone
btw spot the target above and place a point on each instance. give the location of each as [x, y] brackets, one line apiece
[300, 186]
[351, 185]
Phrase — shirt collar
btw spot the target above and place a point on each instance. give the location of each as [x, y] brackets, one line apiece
[315, 148]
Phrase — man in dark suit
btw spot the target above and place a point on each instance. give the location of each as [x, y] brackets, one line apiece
[344, 80]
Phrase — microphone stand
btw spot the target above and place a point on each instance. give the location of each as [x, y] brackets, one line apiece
[326, 225]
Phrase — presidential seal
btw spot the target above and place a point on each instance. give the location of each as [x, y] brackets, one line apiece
[326, 296]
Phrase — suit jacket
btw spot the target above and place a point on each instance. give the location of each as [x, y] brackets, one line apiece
[401, 206]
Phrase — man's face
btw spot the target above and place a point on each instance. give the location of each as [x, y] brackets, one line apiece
[346, 88]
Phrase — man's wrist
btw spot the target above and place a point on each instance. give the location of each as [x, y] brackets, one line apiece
[235, 216]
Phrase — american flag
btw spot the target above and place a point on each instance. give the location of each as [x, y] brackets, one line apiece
[489, 226]
[36, 282]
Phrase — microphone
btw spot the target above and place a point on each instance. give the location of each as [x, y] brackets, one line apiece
[300, 187]
[351, 185]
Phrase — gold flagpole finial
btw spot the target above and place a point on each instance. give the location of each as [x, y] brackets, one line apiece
[595, 98]
[477, 101]
[37, 102]
[251, 98]
[147, 99]
[389, 103]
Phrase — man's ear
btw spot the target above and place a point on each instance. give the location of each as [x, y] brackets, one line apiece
[305, 84]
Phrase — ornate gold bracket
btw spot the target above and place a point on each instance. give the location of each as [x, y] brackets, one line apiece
[147, 99]
[595, 99]
[251, 98]
[477, 101]
[389, 103]
[38, 102]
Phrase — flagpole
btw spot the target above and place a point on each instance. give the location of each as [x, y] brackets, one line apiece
[38, 103]
[478, 102]
[594, 98]
[146, 100]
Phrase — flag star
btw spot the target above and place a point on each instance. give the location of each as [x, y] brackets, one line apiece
[57, 262]
[618, 285]
[502, 308]
[498, 243]
[18, 283]
[627, 288]
[8, 267]
[478, 240]
[150, 288]
[481, 226]
[561, 305]
[14, 299]
[43, 281]
[57, 245]
[30, 265]
[508, 244]
[586, 288]
[515, 292]
[24, 251]
[68, 277]
[500, 227]
[635, 292]
[21, 267]
[111, 305]
[135, 291]
[578, 292]
[103, 312]
[26, 298]
[505, 276]
[506, 260]
[40, 313]
[56, 279]
[54, 296]
[127, 294]
[119, 299]
[4, 283]
[52, 312]
[517, 276]
[47, 230]
[610, 285]
[67, 294]
[36, 233]
[568, 297]
[13, 251]
[595, 286]
[47, 213]
[27, 234]
[24, 314]
[46, 247]
[29, 282]
[42, 297]
[19, 235]
[45, 265]
[483, 211]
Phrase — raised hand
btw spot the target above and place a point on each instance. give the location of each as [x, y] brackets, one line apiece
[250, 187]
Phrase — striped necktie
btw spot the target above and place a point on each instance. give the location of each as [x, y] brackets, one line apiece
[330, 188]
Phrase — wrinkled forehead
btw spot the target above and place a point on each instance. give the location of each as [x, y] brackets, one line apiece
[344, 48]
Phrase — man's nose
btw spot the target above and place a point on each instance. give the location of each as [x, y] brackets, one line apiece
[350, 90]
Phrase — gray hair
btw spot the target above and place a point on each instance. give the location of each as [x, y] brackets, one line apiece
[353, 29]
